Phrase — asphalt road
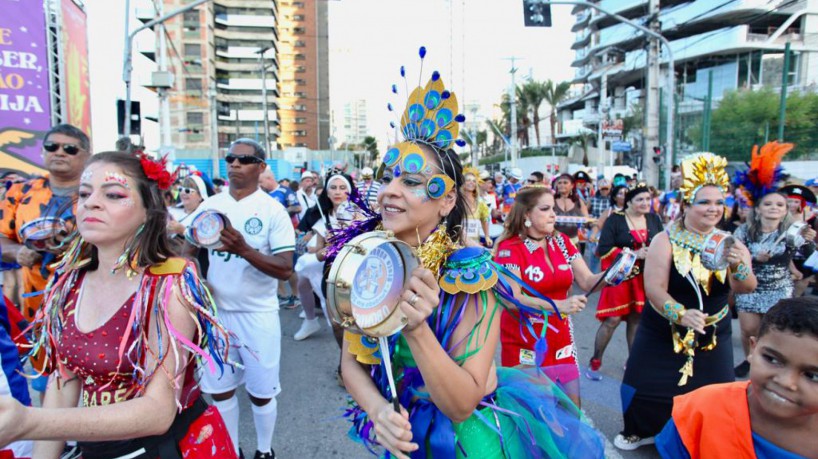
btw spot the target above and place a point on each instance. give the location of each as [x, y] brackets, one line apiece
[311, 404]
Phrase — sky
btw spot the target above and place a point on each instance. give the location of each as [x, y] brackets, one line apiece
[469, 43]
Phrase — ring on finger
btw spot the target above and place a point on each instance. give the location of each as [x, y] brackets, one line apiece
[413, 300]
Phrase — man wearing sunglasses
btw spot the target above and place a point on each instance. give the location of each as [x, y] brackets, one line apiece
[65, 151]
[257, 251]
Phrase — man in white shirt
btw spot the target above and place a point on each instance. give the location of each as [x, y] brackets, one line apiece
[257, 250]
[306, 193]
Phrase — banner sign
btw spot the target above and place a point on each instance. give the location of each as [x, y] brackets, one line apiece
[612, 129]
[75, 55]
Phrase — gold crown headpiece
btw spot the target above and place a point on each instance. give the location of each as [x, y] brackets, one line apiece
[431, 117]
[473, 171]
[703, 169]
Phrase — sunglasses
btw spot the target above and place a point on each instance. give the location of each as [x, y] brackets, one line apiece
[188, 190]
[243, 159]
[530, 181]
[68, 148]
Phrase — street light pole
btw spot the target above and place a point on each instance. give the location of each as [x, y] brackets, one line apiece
[263, 62]
[127, 67]
[670, 73]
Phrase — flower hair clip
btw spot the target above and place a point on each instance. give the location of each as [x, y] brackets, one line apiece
[156, 170]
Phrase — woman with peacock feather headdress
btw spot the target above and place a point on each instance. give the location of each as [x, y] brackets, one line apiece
[453, 401]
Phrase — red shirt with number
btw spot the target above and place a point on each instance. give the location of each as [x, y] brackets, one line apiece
[529, 259]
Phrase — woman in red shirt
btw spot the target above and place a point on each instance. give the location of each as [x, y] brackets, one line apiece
[549, 263]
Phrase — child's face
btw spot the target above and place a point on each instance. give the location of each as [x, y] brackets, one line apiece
[784, 374]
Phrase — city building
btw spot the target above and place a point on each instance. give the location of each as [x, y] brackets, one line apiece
[232, 59]
[354, 123]
[740, 42]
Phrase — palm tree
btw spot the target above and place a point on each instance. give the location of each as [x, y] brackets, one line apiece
[582, 141]
[554, 94]
[535, 92]
[523, 120]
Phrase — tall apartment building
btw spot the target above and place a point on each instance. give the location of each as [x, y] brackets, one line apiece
[214, 53]
[740, 41]
[354, 122]
[303, 57]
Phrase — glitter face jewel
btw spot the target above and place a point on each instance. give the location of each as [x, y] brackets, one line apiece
[116, 177]
[86, 175]
[421, 194]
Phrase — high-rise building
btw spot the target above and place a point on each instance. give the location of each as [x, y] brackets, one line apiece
[741, 43]
[303, 83]
[355, 125]
[218, 53]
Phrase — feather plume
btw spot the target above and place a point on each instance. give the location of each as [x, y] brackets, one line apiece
[764, 170]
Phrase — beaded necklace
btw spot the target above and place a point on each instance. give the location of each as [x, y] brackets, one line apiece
[686, 247]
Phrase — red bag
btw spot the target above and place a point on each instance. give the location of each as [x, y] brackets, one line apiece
[207, 438]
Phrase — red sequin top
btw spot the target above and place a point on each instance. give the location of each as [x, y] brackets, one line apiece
[94, 356]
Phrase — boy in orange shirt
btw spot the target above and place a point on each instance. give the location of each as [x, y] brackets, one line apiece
[774, 414]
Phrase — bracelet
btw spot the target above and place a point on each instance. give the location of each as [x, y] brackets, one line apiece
[673, 311]
[742, 271]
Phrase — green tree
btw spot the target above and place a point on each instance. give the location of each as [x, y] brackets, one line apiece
[554, 94]
[370, 144]
[745, 118]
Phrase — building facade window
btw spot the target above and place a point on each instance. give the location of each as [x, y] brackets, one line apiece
[194, 119]
[192, 50]
[193, 84]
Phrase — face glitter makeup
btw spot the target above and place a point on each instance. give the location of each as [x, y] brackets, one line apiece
[86, 175]
[117, 178]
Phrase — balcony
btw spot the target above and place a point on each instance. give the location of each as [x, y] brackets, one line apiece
[581, 74]
[582, 39]
[252, 115]
[243, 52]
[244, 84]
[261, 4]
[238, 20]
[621, 7]
[582, 21]
[581, 58]
[247, 34]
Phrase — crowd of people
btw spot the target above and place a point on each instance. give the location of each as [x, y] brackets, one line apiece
[122, 315]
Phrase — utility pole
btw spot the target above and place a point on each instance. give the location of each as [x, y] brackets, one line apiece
[214, 129]
[650, 168]
[127, 67]
[166, 147]
[603, 113]
[263, 63]
[512, 98]
[785, 80]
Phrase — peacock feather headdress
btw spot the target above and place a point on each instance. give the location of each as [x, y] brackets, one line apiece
[700, 170]
[764, 171]
[431, 117]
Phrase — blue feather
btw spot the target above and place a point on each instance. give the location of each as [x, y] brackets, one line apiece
[422, 52]
[389, 106]
[460, 142]
[394, 89]
[402, 71]
[460, 118]
[435, 75]
[392, 124]
[445, 94]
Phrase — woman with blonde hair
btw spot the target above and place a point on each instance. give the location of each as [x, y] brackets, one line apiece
[477, 213]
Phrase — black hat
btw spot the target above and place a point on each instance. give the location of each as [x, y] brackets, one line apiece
[582, 175]
[799, 191]
[640, 187]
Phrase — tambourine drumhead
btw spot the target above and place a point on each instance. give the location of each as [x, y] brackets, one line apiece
[622, 268]
[41, 234]
[206, 229]
[366, 281]
[794, 234]
[714, 250]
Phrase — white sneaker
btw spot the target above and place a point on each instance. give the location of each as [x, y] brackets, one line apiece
[631, 442]
[302, 314]
[308, 328]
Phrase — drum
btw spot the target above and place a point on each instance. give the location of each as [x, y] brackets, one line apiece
[366, 281]
[206, 229]
[44, 234]
[795, 234]
[714, 250]
[621, 269]
[573, 220]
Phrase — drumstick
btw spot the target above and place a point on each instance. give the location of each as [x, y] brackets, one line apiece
[602, 278]
[387, 362]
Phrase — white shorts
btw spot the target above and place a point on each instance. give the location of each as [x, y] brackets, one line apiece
[258, 349]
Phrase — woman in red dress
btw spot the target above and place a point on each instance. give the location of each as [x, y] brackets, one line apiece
[549, 263]
[633, 228]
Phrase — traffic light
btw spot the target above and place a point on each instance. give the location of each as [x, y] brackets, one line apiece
[536, 13]
[136, 117]
[657, 155]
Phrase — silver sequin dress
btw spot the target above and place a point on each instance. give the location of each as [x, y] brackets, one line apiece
[774, 278]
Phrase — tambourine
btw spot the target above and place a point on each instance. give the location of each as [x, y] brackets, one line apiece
[715, 248]
[795, 234]
[621, 269]
[44, 234]
[366, 281]
[571, 220]
[205, 230]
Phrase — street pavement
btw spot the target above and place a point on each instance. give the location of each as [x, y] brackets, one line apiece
[311, 403]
